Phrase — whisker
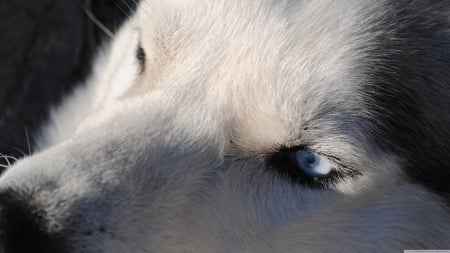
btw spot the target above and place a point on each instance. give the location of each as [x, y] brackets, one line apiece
[130, 10]
[28, 141]
[6, 158]
[94, 20]
[121, 9]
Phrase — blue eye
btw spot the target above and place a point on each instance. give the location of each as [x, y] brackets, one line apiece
[302, 166]
[312, 164]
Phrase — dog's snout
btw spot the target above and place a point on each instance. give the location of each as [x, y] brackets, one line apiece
[22, 226]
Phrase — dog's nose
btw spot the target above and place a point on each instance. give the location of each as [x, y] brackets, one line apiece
[22, 227]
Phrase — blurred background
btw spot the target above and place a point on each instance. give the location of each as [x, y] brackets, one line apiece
[46, 47]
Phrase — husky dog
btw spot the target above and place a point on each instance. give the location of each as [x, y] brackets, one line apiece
[248, 126]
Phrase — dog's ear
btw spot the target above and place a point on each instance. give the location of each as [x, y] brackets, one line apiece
[116, 70]
[119, 65]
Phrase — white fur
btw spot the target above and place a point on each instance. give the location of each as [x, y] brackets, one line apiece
[170, 160]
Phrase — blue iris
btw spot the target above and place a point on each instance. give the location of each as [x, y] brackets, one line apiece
[312, 164]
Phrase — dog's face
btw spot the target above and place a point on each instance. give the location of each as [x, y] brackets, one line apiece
[247, 126]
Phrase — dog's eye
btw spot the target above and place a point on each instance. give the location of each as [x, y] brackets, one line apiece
[312, 164]
[141, 57]
[303, 166]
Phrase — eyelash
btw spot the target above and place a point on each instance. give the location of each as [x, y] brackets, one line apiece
[281, 162]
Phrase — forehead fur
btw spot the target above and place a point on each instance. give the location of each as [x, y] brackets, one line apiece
[297, 72]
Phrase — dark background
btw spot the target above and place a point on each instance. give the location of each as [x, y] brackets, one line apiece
[46, 47]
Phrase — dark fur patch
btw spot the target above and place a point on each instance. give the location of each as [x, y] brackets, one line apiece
[409, 91]
[21, 227]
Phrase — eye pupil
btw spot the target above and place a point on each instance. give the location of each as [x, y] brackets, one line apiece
[306, 158]
[309, 157]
